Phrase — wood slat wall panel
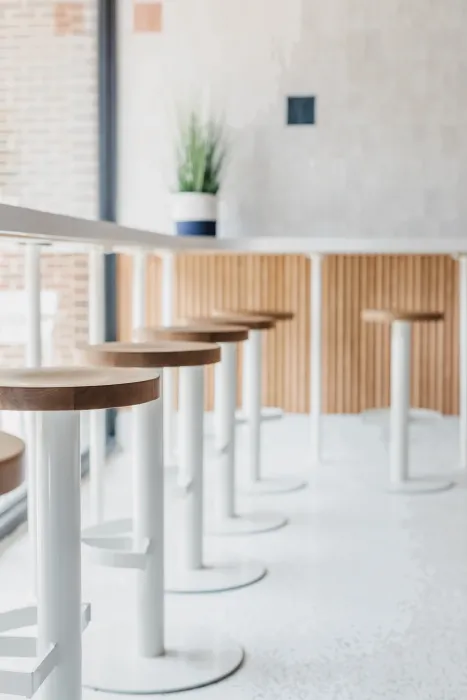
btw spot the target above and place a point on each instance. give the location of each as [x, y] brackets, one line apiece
[356, 356]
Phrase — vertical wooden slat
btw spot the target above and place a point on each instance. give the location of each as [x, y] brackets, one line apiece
[327, 357]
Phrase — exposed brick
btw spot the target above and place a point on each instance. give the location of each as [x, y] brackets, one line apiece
[147, 17]
[48, 149]
[69, 18]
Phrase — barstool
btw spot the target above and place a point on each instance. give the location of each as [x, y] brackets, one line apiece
[257, 483]
[58, 395]
[401, 329]
[112, 663]
[267, 412]
[227, 520]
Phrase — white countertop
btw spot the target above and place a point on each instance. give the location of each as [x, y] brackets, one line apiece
[21, 223]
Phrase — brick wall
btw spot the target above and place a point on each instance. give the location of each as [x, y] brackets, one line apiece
[65, 274]
[48, 141]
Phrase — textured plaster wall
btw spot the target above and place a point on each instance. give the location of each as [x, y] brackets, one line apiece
[388, 156]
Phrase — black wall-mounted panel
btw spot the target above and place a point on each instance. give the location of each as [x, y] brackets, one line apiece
[301, 111]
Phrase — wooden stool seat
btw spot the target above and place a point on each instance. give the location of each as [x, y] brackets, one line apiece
[253, 323]
[75, 388]
[11, 462]
[205, 330]
[163, 353]
[276, 314]
[391, 315]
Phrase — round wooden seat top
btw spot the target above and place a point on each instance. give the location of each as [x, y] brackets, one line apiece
[275, 314]
[253, 323]
[390, 315]
[158, 353]
[76, 388]
[204, 330]
[11, 462]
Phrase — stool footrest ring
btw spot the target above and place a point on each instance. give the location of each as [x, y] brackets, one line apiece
[18, 618]
[111, 544]
[25, 683]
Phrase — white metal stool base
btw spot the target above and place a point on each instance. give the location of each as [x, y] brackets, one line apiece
[272, 485]
[192, 660]
[22, 682]
[422, 485]
[267, 414]
[248, 524]
[215, 578]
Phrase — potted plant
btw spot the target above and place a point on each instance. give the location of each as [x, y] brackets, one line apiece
[200, 159]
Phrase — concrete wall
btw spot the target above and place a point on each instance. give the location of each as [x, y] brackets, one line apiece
[388, 156]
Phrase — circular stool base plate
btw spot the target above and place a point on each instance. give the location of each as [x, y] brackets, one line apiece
[215, 578]
[191, 661]
[270, 485]
[416, 415]
[422, 485]
[268, 413]
[248, 524]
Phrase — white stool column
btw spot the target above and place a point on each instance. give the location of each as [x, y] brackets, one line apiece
[148, 527]
[170, 416]
[253, 371]
[400, 402]
[400, 481]
[257, 484]
[191, 412]
[192, 574]
[227, 521]
[226, 400]
[59, 560]
[267, 413]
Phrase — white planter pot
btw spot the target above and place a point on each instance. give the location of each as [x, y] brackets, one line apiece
[194, 213]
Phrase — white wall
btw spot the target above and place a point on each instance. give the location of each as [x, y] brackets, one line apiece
[388, 155]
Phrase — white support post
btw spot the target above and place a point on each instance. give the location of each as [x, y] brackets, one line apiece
[400, 401]
[315, 356]
[97, 418]
[253, 375]
[32, 284]
[463, 360]
[168, 263]
[139, 289]
[148, 526]
[256, 482]
[191, 466]
[400, 480]
[227, 520]
[218, 399]
[226, 379]
[59, 560]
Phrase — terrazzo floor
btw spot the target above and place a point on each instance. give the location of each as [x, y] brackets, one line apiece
[366, 592]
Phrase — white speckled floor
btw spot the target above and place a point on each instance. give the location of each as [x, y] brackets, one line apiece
[366, 595]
